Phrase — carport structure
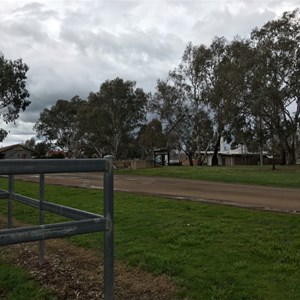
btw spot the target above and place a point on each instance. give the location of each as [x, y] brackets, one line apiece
[163, 155]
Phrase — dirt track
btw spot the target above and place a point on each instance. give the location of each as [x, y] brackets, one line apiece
[266, 198]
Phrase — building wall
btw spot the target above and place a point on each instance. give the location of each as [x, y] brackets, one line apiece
[207, 159]
[139, 164]
[16, 154]
[228, 160]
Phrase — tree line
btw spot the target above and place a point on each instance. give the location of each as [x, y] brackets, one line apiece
[245, 91]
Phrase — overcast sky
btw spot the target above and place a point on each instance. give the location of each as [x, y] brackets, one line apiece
[71, 47]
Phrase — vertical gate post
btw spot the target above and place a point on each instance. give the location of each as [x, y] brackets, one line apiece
[109, 233]
[10, 200]
[42, 197]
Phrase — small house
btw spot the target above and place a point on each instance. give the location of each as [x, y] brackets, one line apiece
[16, 151]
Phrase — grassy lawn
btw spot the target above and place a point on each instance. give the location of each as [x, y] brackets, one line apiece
[211, 252]
[15, 284]
[283, 176]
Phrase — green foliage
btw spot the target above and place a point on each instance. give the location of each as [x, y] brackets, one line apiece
[13, 92]
[179, 101]
[151, 137]
[111, 115]
[30, 144]
[41, 149]
[212, 252]
[245, 91]
[276, 81]
[248, 89]
[60, 125]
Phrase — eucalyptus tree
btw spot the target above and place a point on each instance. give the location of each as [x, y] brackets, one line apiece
[228, 93]
[151, 137]
[13, 92]
[277, 79]
[30, 144]
[41, 149]
[179, 100]
[59, 125]
[216, 92]
[249, 89]
[112, 115]
[254, 88]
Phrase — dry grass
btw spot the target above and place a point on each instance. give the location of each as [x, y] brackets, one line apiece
[73, 272]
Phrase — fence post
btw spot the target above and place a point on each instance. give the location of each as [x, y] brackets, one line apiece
[10, 200]
[42, 197]
[109, 233]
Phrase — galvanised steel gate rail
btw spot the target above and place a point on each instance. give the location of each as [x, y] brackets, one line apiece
[85, 222]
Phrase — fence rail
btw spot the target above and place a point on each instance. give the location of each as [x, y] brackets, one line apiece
[85, 222]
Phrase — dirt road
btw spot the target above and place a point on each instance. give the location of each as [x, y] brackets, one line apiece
[266, 198]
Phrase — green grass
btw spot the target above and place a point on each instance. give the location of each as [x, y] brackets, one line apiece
[210, 251]
[15, 283]
[283, 176]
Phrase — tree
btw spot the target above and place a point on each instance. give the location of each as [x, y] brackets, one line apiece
[179, 100]
[228, 92]
[112, 115]
[41, 149]
[248, 89]
[30, 144]
[59, 125]
[150, 137]
[13, 92]
[277, 78]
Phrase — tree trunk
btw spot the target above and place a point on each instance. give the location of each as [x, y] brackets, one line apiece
[203, 159]
[283, 157]
[99, 152]
[215, 160]
[205, 154]
[190, 160]
[261, 157]
[291, 155]
[288, 153]
[273, 154]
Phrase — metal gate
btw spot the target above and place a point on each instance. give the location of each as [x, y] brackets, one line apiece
[84, 222]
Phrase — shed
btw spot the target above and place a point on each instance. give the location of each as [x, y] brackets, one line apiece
[16, 151]
[161, 156]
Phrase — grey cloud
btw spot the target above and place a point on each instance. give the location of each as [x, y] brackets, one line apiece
[229, 25]
[136, 45]
[72, 47]
[26, 26]
[29, 7]
[18, 132]
[143, 56]
[30, 29]
[34, 10]
[22, 128]
[117, 28]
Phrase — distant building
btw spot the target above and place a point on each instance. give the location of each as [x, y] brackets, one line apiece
[16, 151]
[56, 153]
[232, 157]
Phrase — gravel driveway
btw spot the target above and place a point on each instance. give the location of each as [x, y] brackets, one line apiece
[258, 197]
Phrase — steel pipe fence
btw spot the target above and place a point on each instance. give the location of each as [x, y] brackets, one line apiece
[85, 222]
